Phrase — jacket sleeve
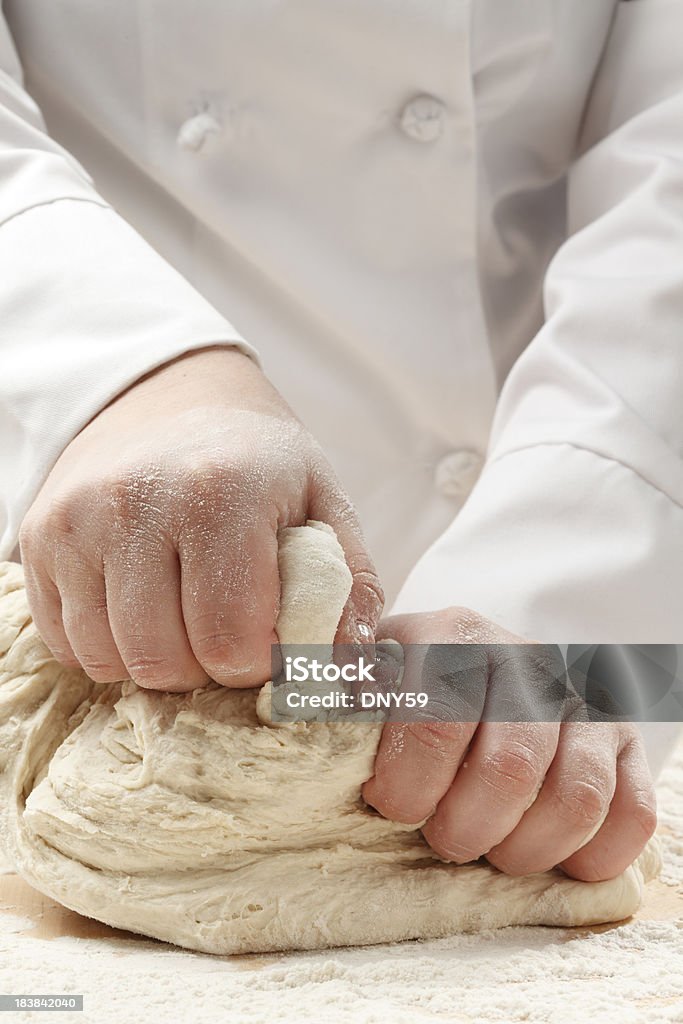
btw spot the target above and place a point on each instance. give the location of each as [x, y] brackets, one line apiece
[86, 305]
[574, 531]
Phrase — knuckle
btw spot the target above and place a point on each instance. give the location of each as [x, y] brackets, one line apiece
[213, 479]
[580, 804]
[467, 626]
[217, 648]
[644, 816]
[395, 807]
[29, 538]
[533, 665]
[101, 671]
[129, 494]
[123, 500]
[84, 621]
[228, 494]
[59, 521]
[513, 770]
[210, 477]
[446, 846]
[465, 615]
[516, 867]
[137, 509]
[368, 582]
[65, 657]
[232, 658]
[590, 866]
[545, 661]
[439, 739]
[59, 546]
[150, 669]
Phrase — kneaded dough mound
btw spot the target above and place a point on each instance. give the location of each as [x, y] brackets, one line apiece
[185, 817]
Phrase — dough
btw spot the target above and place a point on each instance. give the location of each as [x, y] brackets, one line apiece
[183, 816]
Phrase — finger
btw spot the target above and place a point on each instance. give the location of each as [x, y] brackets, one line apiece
[145, 614]
[363, 609]
[573, 800]
[415, 765]
[416, 761]
[86, 621]
[230, 600]
[508, 760]
[498, 781]
[630, 822]
[46, 610]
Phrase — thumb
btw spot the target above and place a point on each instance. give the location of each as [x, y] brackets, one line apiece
[361, 615]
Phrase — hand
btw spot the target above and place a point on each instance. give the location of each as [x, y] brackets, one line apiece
[527, 795]
[151, 550]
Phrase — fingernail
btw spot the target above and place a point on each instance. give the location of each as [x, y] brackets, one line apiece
[364, 632]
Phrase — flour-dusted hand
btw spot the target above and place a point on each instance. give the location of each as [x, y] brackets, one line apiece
[151, 550]
[528, 795]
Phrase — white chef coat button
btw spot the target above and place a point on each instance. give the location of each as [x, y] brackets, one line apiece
[194, 132]
[422, 118]
[457, 472]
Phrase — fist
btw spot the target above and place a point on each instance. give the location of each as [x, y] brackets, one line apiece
[151, 550]
[526, 795]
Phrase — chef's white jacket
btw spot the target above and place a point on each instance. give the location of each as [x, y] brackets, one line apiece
[451, 230]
